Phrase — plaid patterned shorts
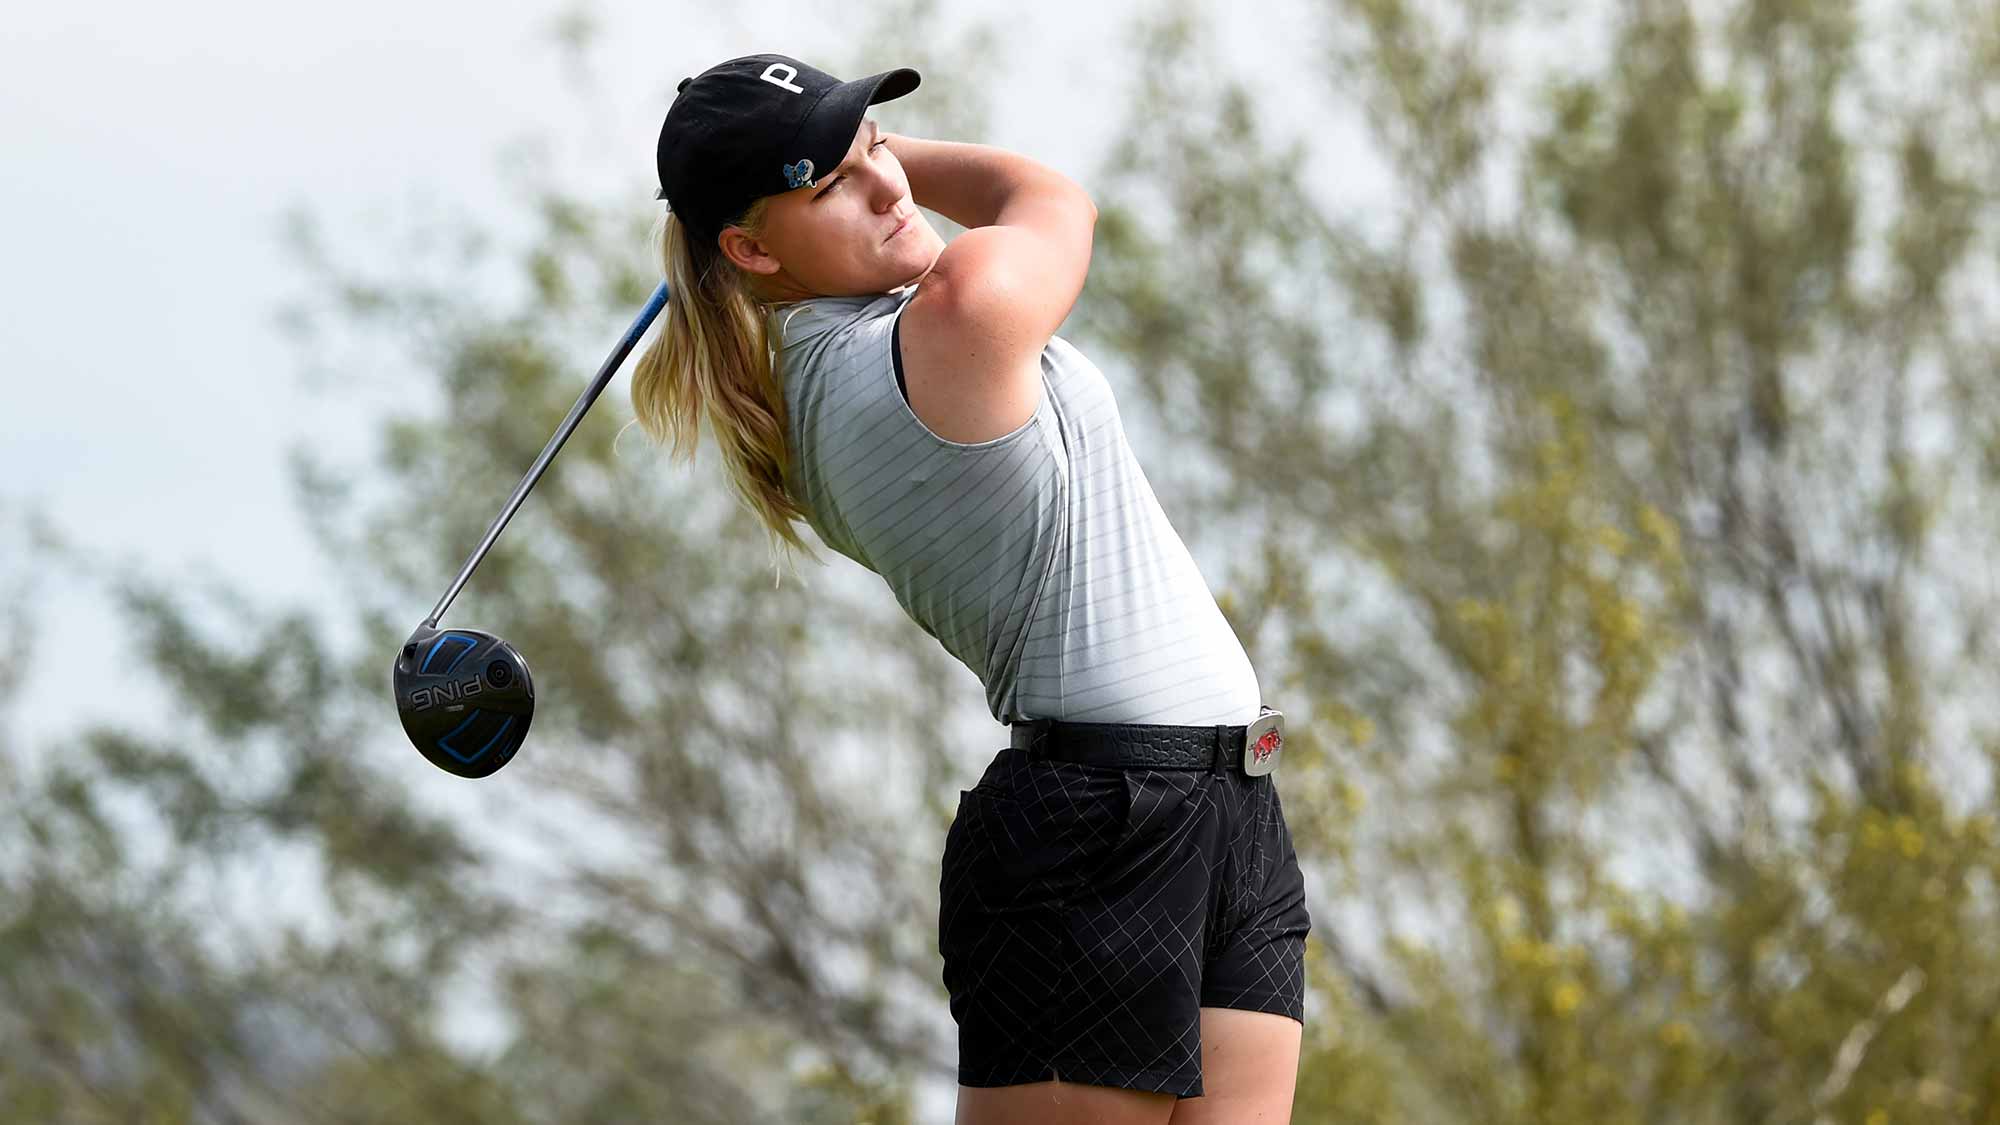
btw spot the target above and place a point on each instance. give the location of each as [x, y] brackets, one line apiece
[1088, 913]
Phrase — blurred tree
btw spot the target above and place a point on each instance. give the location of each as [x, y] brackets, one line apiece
[733, 795]
[1618, 505]
[139, 980]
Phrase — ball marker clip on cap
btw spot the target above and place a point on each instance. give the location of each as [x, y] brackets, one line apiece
[757, 126]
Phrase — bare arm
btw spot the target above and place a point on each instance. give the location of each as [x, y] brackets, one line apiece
[973, 335]
[971, 184]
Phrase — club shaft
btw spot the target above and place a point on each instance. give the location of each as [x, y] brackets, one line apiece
[569, 424]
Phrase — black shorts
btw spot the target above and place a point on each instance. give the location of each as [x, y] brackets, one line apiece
[1087, 914]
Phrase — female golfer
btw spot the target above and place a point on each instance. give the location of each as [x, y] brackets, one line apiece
[1123, 920]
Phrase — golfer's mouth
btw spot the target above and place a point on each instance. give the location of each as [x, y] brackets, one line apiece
[901, 227]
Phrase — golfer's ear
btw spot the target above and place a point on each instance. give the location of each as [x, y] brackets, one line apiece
[748, 253]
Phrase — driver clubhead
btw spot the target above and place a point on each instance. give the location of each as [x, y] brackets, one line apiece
[465, 698]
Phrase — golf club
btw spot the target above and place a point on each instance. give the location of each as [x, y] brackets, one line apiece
[464, 695]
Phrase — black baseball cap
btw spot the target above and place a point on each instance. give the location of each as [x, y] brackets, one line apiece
[758, 125]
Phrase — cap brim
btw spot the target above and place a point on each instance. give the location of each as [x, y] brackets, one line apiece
[831, 128]
[889, 84]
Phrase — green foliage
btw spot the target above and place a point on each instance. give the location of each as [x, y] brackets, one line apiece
[1633, 617]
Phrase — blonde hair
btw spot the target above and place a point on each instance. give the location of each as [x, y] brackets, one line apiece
[712, 354]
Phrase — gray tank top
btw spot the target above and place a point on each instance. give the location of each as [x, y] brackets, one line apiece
[1041, 559]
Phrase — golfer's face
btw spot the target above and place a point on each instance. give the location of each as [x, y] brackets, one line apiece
[856, 230]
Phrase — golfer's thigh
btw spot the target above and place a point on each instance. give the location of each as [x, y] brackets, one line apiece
[1061, 1103]
[1249, 1069]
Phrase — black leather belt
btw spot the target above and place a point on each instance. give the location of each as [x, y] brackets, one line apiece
[1254, 748]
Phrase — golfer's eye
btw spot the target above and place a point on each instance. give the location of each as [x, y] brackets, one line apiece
[836, 181]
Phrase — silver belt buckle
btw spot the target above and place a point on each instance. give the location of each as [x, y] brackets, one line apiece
[1263, 742]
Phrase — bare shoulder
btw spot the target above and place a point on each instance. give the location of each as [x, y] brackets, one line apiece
[972, 335]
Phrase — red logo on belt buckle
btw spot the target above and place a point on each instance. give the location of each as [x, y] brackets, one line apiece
[1262, 742]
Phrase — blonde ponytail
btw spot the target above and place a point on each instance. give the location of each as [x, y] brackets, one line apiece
[712, 355]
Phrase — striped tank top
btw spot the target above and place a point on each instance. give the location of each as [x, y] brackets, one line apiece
[1040, 559]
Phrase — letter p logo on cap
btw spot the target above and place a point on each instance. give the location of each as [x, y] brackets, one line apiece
[783, 83]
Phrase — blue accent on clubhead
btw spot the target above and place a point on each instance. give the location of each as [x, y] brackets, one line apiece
[481, 752]
[470, 644]
[420, 720]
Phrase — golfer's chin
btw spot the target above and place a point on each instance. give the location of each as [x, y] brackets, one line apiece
[894, 267]
[915, 264]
